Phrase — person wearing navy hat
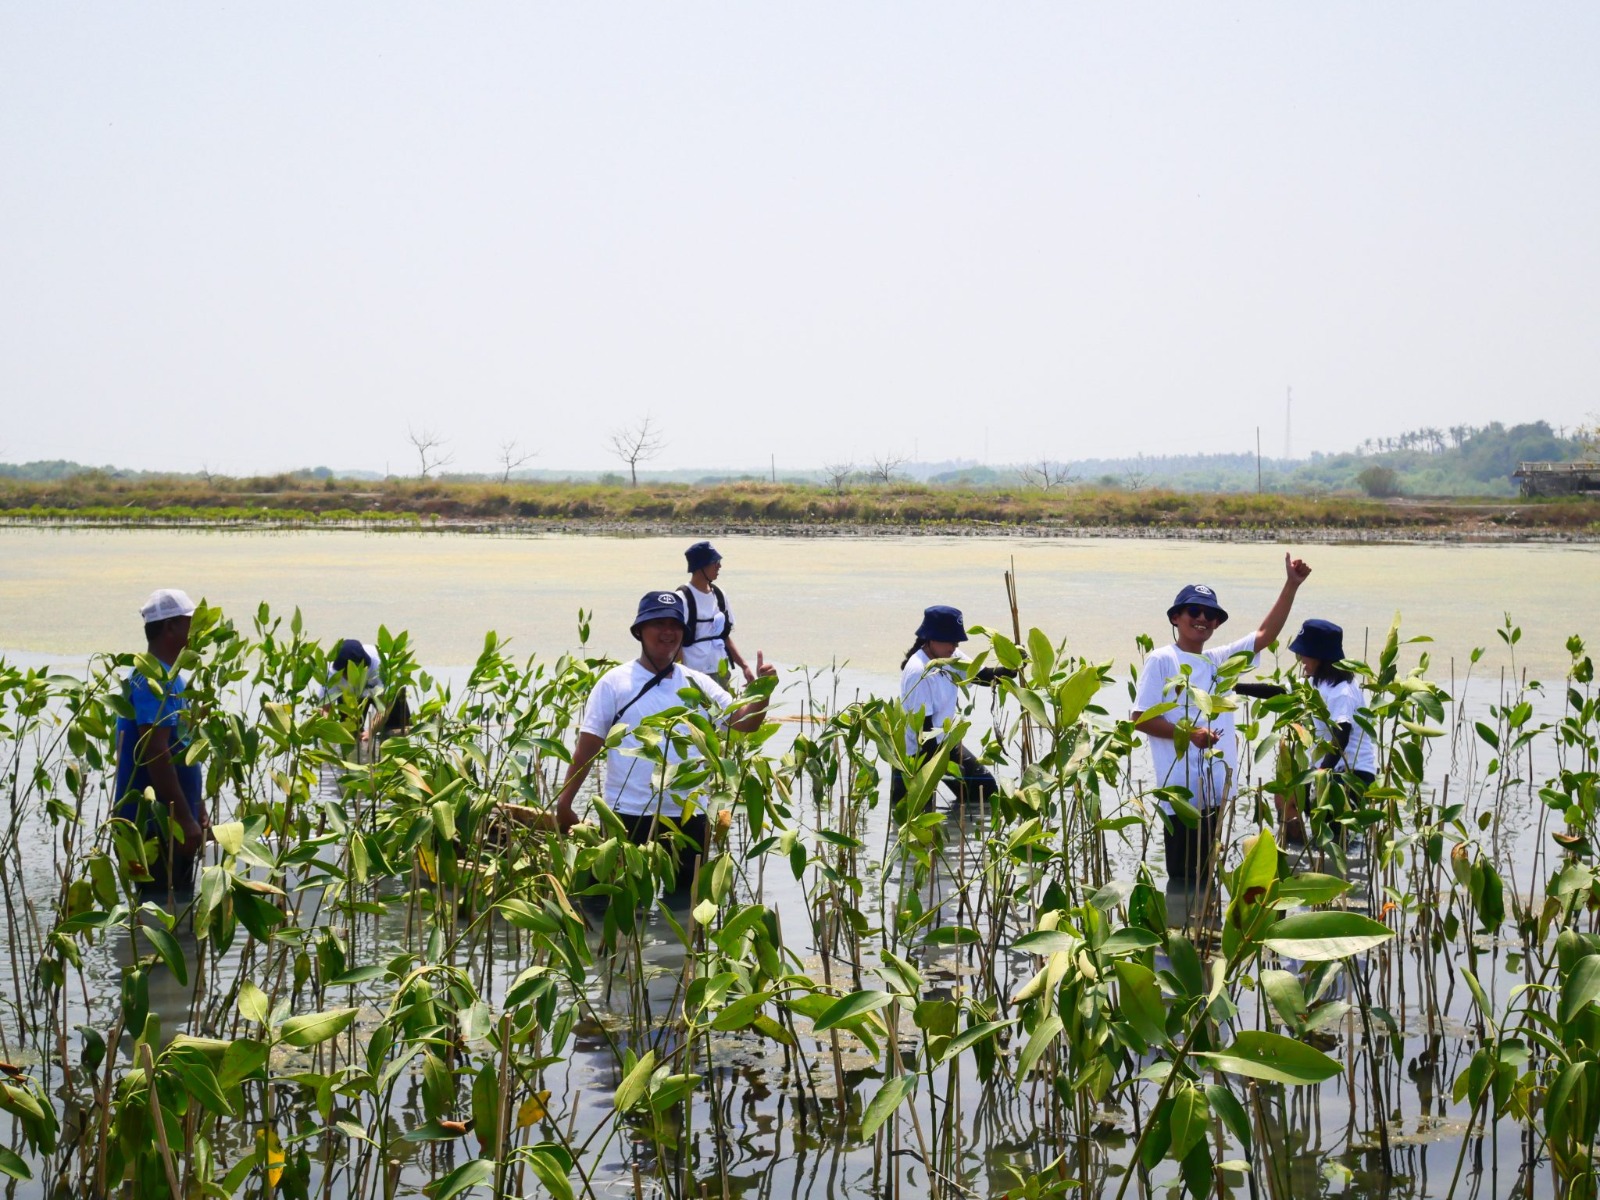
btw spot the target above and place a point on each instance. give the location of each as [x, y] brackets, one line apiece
[930, 692]
[357, 659]
[654, 682]
[708, 637]
[1188, 748]
[1347, 748]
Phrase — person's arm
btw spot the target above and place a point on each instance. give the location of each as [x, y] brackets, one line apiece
[587, 749]
[1160, 727]
[748, 716]
[1272, 624]
[737, 660]
[155, 752]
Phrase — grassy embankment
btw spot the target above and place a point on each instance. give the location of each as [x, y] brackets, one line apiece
[104, 499]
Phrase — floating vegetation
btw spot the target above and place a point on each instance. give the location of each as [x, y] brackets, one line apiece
[384, 985]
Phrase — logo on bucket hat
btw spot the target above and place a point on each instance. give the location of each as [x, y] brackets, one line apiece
[1199, 594]
[655, 605]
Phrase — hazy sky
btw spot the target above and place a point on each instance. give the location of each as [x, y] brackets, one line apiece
[265, 236]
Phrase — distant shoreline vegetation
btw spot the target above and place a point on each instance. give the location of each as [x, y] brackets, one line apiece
[445, 505]
[1443, 484]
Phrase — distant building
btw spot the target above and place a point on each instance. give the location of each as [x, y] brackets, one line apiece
[1558, 478]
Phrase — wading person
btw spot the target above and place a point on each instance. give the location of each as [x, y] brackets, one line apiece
[357, 660]
[1189, 748]
[708, 635]
[629, 693]
[151, 746]
[1348, 752]
[930, 693]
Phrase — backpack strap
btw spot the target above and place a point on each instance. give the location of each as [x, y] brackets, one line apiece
[639, 695]
[692, 613]
[722, 607]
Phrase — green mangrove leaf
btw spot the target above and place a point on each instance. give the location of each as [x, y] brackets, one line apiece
[1114, 893]
[1581, 988]
[971, 1037]
[1048, 941]
[1226, 1105]
[253, 1005]
[1140, 1003]
[1324, 936]
[465, 1177]
[313, 1029]
[741, 1012]
[854, 1005]
[768, 1028]
[171, 953]
[1045, 1032]
[1131, 940]
[552, 1164]
[1271, 1056]
[889, 1098]
[635, 1083]
[1189, 1119]
[1312, 888]
[13, 1166]
[486, 1109]
[1287, 996]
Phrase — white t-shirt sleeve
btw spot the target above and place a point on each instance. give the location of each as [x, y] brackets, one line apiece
[1245, 645]
[1153, 681]
[1343, 700]
[600, 711]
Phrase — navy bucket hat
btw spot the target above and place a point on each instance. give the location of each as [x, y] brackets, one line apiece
[941, 623]
[1321, 640]
[654, 605]
[1199, 594]
[350, 651]
[701, 554]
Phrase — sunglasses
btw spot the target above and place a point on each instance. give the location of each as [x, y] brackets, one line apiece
[1195, 611]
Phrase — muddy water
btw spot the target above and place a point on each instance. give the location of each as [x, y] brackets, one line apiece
[810, 601]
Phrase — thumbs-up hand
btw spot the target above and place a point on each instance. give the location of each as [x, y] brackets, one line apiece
[764, 669]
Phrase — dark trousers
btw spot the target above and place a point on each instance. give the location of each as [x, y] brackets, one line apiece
[972, 786]
[686, 859]
[1191, 852]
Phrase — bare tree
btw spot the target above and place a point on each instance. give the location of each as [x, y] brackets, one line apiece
[430, 450]
[838, 475]
[1046, 474]
[883, 468]
[510, 459]
[637, 443]
[1135, 479]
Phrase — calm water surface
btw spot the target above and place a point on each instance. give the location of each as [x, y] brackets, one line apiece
[810, 601]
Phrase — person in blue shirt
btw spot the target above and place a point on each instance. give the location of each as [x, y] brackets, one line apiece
[151, 746]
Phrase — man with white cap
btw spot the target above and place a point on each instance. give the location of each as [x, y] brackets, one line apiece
[151, 744]
[629, 693]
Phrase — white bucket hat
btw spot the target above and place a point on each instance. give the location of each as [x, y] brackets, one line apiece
[165, 603]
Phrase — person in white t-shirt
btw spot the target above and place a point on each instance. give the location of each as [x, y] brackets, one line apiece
[1347, 749]
[930, 695]
[708, 638]
[652, 683]
[1189, 748]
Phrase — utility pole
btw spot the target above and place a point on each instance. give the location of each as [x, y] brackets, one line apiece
[1288, 413]
[1258, 460]
[774, 468]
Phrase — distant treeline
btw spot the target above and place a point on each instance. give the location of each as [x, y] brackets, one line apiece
[1463, 460]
